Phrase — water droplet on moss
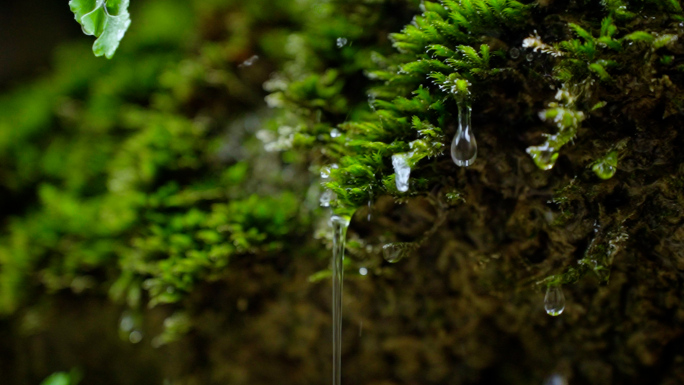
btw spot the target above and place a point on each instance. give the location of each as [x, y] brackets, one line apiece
[402, 170]
[394, 252]
[326, 198]
[554, 301]
[606, 167]
[464, 145]
[544, 156]
[341, 42]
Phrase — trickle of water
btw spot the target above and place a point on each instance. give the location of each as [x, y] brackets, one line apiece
[326, 197]
[402, 170]
[339, 227]
[554, 300]
[605, 168]
[370, 207]
[464, 146]
[341, 42]
[544, 156]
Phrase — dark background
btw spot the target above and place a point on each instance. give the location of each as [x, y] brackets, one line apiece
[29, 32]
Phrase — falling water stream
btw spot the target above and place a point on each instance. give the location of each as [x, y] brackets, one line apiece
[339, 228]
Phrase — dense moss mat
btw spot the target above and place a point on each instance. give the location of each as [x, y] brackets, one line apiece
[155, 198]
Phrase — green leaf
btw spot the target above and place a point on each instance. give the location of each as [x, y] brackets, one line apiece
[107, 20]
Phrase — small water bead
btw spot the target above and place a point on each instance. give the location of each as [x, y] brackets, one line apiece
[326, 198]
[605, 168]
[554, 300]
[402, 170]
[325, 171]
[394, 252]
[464, 145]
[514, 52]
[335, 133]
[544, 156]
[529, 57]
[363, 271]
[341, 42]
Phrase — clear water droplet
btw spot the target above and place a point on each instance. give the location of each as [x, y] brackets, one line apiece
[606, 167]
[554, 300]
[363, 271]
[514, 52]
[335, 133]
[464, 145]
[325, 171]
[402, 170]
[529, 57]
[544, 156]
[326, 198]
[394, 252]
[341, 42]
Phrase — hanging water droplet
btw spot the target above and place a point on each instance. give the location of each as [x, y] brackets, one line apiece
[554, 300]
[325, 171]
[335, 133]
[514, 52]
[402, 170]
[394, 252]
[326, 198]
[341, 42]
[464, 146]
[544, 156]
[605, 168]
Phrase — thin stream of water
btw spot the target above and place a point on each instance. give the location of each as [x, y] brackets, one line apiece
[339, 227]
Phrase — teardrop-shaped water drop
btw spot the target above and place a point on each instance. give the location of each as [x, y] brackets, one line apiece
[554, 301]
[464, 146]
[605, 168]
[395, 252]
[544, 156]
